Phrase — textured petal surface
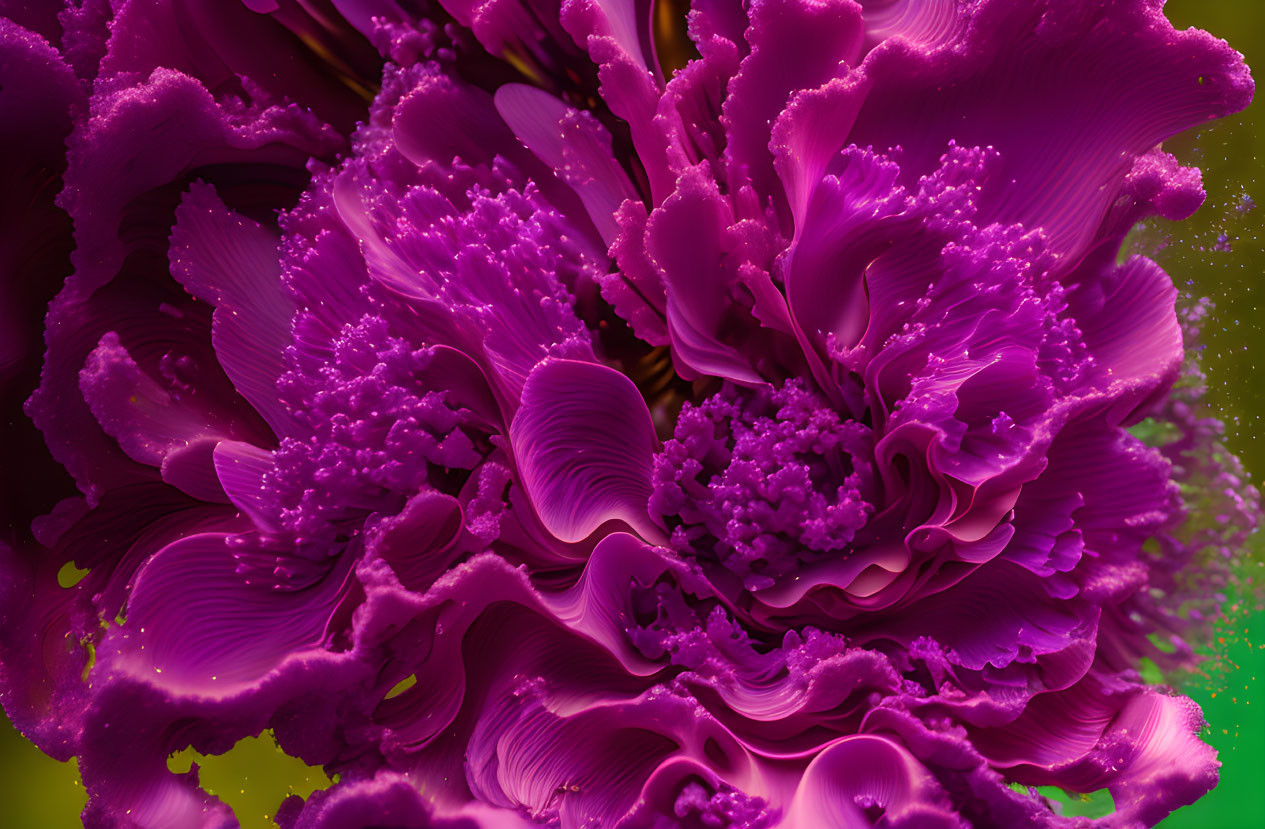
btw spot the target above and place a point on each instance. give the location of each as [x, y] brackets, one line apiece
[583, 441]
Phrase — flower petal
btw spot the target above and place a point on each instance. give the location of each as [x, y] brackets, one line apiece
[230, 262]
[583, 440]
[195, 625]
[573, 143]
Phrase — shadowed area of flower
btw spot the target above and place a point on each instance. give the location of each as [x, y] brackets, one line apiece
[609, 413]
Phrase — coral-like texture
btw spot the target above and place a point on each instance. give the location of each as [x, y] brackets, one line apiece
[562, 414]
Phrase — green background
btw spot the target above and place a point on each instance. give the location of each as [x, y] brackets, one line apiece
[36, 791]
[1230, 152]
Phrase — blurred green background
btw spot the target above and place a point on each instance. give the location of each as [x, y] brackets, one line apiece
[36, 791]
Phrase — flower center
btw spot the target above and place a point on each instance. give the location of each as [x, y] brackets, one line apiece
[762, 483]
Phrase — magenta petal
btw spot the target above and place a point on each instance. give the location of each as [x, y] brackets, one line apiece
[48, 697]
[1170, 766]
[137, 141]
[231, 48]
[195, 624]
[841, 233]
[583, 441]
[391, 799]
[1138, 353]
[809, 133]
[370, 302]
[619, 38]
[574, 143]
[866, 775]
[191, 469]
[240, 468]
[620, 20]
[148, 794]
[181, 127]
[38, 97]
[996, 615]
[148, 420]
[466, 111]
[439, 119]
[795, 45]
[515, 758]
[685, 238]
[1143, 746]
[418, 543]
[929, 22]
[498, 296]
[635, 289]
[43, 691]
[1069, 99]
[230, 262]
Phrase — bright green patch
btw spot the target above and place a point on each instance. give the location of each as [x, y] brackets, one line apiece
[402, 686]
[1153, 432]
[253, 777]
[69, 575]
[1151, 673]
[1092, 805]
[92, 659]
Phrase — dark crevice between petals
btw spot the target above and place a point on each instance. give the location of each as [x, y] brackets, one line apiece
[672, 44]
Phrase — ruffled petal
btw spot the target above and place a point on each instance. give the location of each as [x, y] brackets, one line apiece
[862, 780]
[1030, 82]
[181, 129]
[573, 143]
[195, 624]
[147, 420]
[582, 441]
[381, 475]
[390, 797]
[685, 239]
[222, 44]
[39, 97]
[230, 262]
[795, 45]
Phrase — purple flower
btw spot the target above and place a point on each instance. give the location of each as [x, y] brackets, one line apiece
[576, 416]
